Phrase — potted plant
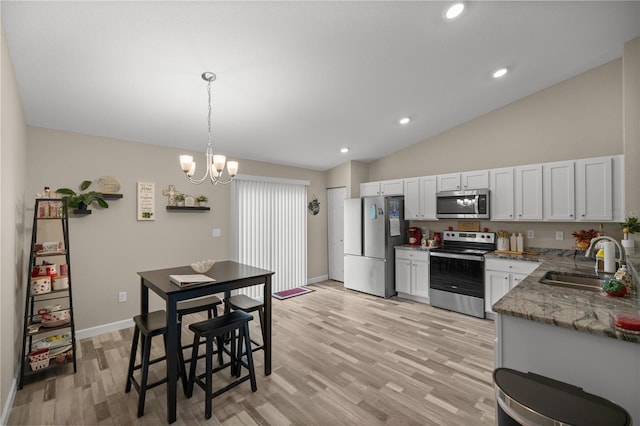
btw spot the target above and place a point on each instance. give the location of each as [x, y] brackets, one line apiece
[630, 226]
[180, 200]
[584, 237]
[202, 200]
[82, 200]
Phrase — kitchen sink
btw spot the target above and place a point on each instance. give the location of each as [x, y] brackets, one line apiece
[578, 281]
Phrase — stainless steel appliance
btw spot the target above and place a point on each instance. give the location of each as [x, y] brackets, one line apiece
[456, 271]
[373, 226]
[463, 204]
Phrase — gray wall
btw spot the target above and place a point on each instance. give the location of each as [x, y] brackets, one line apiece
[578, 118]
[13, 169]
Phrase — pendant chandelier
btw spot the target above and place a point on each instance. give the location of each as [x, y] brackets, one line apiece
[215, 162]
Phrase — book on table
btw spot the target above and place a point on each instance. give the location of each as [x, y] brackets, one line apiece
[188, 280]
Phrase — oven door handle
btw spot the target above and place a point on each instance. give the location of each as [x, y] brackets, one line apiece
[457, 256]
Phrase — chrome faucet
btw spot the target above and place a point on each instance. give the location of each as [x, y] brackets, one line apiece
[592, 244]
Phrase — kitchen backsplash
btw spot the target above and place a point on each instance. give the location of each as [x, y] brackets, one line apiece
[544, 232]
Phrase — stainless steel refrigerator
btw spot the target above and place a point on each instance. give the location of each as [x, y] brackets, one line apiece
[373, 226]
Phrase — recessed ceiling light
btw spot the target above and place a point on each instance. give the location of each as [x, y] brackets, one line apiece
[454, 10]
[344, 150]
[500, 72]
[404, 120]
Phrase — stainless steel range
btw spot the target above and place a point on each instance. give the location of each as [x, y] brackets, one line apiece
[456, 270]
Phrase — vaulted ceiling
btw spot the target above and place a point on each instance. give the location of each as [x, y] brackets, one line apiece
[296, 81]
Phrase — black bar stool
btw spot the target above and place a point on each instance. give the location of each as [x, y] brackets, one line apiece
[242, 302]
[192, 306]
[150, 325]
[218, 328]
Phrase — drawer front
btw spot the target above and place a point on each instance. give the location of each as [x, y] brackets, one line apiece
[412, 254]
[512, 266]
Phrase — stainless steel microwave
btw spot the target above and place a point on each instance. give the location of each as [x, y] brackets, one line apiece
[463, 204]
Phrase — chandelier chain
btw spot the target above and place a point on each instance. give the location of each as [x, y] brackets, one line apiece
[209, 114]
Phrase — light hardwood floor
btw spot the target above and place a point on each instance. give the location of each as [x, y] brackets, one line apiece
[340, 358]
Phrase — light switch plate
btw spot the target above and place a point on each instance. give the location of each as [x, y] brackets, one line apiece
[559, 235]
[530, 234]
[216, 232]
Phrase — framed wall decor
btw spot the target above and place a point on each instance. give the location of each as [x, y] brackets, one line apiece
[146, 201]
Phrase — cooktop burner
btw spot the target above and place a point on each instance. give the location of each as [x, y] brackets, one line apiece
[476, 252]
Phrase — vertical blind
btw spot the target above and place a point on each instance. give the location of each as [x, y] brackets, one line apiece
[270, 229]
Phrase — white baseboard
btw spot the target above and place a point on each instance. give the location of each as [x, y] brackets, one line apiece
[317, 279]
[105, 328]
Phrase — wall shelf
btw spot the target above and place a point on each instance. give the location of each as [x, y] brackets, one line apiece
[187, 209]
[81, 212]
[112, 196]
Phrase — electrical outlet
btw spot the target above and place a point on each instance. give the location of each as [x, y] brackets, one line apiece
[530, 234]
[216, 232]
[122, 297]
[559, 235]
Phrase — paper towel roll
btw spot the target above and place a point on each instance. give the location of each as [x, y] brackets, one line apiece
[609, 257]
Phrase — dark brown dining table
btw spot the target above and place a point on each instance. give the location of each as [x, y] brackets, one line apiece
[228, 276]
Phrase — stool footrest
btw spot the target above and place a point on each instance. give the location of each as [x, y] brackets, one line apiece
[226, 388]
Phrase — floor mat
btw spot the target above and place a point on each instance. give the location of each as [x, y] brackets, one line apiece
[298, 291]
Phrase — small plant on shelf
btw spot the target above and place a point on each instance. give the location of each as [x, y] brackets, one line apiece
[180, 200]
[202, 200]
[82, 200]
[584, 237]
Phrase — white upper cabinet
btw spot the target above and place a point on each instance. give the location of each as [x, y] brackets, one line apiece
[528, 192]
[385, 187]
[618, 188]
[594, 189]
[475, 180]
[450, 182]
[392, 187]
[464, 181]
[412, 199]
[501, 193]
[369, 189]
[590, 190]
[420, 198]
[559, 191]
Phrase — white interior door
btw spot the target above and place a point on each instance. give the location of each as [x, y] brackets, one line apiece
[335, 227]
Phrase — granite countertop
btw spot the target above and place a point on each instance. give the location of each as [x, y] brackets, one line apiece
[411, 247]
[584, 311]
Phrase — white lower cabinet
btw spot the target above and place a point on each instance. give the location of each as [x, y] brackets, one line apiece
[412, 274]
[502, 275]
